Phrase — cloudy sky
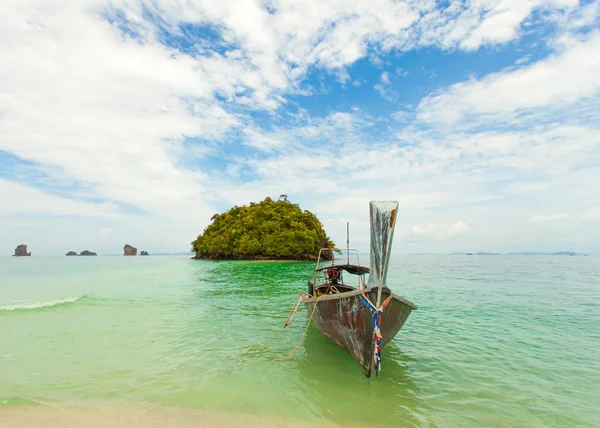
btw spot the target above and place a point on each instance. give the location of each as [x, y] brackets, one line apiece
[134, 121]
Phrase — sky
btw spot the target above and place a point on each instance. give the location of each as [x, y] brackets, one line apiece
[133, 122]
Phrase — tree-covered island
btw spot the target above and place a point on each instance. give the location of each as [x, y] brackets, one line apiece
[268, 230]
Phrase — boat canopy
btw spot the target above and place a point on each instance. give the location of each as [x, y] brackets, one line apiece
[351, 269]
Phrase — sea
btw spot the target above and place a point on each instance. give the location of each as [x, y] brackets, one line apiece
[166, 341]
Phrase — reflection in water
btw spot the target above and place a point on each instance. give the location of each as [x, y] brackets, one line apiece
[337, 386]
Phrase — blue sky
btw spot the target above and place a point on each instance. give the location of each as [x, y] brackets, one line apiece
[134, 122]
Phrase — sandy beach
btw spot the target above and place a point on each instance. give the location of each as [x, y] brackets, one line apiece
[146, 415]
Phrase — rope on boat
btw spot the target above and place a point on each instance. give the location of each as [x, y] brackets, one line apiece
[377, 312]
[293, 311]
[305, 330]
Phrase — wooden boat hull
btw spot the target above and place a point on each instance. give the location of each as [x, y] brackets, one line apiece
[346, 320]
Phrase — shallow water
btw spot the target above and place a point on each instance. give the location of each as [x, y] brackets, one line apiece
[496, 341]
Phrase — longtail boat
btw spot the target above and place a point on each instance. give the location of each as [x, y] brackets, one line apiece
[364, 318]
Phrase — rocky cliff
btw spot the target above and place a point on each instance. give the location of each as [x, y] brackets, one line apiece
[21, 251]
[128, 250]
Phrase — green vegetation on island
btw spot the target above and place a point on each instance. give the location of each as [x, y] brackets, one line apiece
[268, 230]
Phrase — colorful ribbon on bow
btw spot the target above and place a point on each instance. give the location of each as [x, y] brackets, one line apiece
[377, 312]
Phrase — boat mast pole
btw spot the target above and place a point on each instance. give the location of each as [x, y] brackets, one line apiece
[348, 240]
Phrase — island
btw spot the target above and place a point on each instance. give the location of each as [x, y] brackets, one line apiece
[21, 251]
[534, 253]
[128, 250]
[520, 253]
[83, 253]
[268, 230]
[144, 253]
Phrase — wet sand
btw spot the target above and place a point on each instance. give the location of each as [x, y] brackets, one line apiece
[113, 415]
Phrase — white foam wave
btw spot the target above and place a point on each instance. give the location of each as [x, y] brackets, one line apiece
[36, 305]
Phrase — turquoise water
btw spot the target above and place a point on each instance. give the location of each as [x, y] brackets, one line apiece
[496, 341]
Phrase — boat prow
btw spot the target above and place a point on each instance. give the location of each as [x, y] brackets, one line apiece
[348, 321]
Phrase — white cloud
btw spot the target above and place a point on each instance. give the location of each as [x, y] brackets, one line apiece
[283, 42]
[571, 19]
[557, 81]
[593, 214]
[470, 25]
[384, 87]
[503, 18]
[105, 232]
[18, 199]
[104, 110]
[458, 228]
[538, 218]
[385, 78]
[438, 231]
[427, 229]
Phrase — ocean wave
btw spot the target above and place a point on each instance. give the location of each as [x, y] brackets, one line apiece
[25, 306]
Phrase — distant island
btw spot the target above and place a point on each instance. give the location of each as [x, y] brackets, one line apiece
[83, 253]
[180, 253]
[481, 253]
[524, 253]
[144, 253]
[558, 253]
[268, 230]
[21, 251]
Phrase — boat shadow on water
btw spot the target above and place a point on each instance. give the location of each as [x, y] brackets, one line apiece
[330, 378]
[325, 357]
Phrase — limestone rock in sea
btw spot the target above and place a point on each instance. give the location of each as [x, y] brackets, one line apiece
[87, 253]
[144, 253]
[129, 250]
[21, 251]
[71, 253]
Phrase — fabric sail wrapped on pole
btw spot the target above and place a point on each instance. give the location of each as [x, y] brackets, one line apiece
[383, 222]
